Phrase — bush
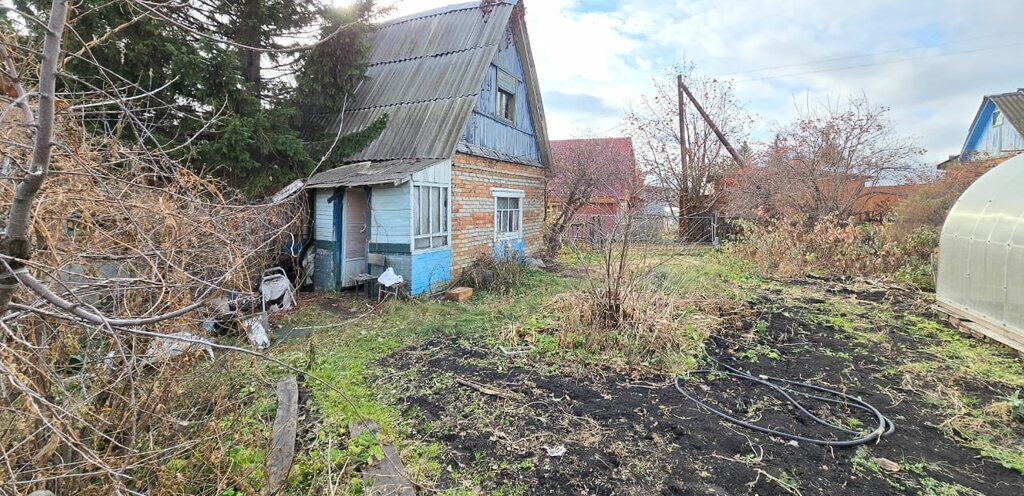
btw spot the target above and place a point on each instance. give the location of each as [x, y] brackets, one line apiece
[831, 248]
[501, 274]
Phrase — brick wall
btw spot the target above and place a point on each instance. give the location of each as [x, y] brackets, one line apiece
[473, 206]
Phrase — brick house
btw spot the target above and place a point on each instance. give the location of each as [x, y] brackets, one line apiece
[611, 162]
[460, 170]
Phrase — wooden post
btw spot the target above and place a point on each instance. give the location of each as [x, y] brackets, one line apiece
[707, 118]
[684, 183]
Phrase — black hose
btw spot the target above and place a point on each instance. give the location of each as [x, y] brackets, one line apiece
[885, 426]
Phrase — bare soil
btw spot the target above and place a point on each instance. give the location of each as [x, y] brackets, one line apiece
[637, 435]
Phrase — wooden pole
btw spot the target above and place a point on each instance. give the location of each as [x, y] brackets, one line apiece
[684, 183]
[707, 118]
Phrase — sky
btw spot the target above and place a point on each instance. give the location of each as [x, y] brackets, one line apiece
[929, 61]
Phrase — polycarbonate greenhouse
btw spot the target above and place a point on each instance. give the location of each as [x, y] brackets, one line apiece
[981, 255]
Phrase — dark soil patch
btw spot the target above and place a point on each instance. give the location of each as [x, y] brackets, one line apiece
[624, 437]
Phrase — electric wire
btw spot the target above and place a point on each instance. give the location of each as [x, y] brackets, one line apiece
[884, 427]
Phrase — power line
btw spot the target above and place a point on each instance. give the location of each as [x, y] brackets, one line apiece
[873, 64]
[863, 55]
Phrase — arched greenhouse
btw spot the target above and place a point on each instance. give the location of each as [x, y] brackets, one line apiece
[981, 255]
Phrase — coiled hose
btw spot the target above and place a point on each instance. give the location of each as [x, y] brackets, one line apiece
[786, 388]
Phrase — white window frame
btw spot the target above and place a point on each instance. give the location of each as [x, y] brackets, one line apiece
[520, 197]
[437, 232]
[997, 118]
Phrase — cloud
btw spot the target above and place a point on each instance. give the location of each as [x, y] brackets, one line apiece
[929, 61]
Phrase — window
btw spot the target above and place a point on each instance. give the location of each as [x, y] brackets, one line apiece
[430, 217]
[508, 214]
[997, 118]
[506, 105]
[507, 85]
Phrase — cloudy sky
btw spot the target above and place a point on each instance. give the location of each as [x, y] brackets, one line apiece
[929, 61]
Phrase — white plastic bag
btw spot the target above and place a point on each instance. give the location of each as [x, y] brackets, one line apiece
[389, 278]
[256, 330]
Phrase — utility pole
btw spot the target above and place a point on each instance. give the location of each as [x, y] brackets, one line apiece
[684, 183]
[707, 118]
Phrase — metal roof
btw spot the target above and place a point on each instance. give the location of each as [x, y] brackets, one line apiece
[1012, 107]
[369, 173]
[426, 72]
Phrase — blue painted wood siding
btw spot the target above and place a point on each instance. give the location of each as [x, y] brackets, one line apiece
[992, 140]
[486, 129]
[391, 215]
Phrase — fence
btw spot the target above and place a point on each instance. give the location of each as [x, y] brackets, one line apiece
[596, 229]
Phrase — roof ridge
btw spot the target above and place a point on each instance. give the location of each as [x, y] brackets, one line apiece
[1018, 91]
[447, 9]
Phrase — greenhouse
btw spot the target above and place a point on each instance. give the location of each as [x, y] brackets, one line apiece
[981, 256]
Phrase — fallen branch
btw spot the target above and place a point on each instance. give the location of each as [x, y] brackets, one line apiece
[508, 395]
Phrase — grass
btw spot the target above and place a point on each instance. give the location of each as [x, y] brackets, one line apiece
[345, 358]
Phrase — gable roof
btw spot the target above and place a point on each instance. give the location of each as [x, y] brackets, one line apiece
[426, 72]
[1010, 104]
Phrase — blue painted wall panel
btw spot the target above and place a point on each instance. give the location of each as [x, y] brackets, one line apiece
[992, 140]
[391, 214]
[485, 129]
[430, 271]
[509, 248]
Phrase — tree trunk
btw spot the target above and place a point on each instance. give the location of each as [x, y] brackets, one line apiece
[249, 34]
[16, 242]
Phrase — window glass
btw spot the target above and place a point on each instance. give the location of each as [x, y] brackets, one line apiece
[430, 217]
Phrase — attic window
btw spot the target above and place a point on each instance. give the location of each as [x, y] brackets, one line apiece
[506, 104]
[997, 118]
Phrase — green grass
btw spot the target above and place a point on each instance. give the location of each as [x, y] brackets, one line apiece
[345, 356]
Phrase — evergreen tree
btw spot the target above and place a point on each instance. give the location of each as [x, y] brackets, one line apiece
[227, 72]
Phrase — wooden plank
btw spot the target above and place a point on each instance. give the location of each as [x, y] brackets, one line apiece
[282, 449]
[385, 477]
[982, 329]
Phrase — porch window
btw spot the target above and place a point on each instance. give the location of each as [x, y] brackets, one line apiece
[430, 216]
[508, 214]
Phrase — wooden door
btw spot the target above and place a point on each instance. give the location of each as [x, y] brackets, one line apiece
[355, 215]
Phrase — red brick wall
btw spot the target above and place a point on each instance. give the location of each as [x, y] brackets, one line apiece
[473, 206]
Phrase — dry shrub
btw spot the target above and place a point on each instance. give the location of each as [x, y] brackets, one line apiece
[649, 330]
[500, 274]
[928, 203]
[125, 233]
[795, 247]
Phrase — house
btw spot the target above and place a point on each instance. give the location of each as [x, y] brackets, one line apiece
[997, 130]
[460, 170]
[609, 165]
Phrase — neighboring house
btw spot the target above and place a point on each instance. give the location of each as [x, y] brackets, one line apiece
[460, 169]
[612, 163]
[997, 129]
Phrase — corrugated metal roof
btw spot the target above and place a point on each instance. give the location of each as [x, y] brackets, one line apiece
[425, 71]
[1012, 106]
[369, 173]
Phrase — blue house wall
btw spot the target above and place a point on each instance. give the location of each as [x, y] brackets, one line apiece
[987, 139]
[485, 129]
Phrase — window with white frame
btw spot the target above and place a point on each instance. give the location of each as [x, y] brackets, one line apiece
[997, 118]
[508, 213]
[430, 217]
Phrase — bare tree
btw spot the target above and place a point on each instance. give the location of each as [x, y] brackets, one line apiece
[823, 162]
[654, 126]
[587, 170]
[110, 253]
